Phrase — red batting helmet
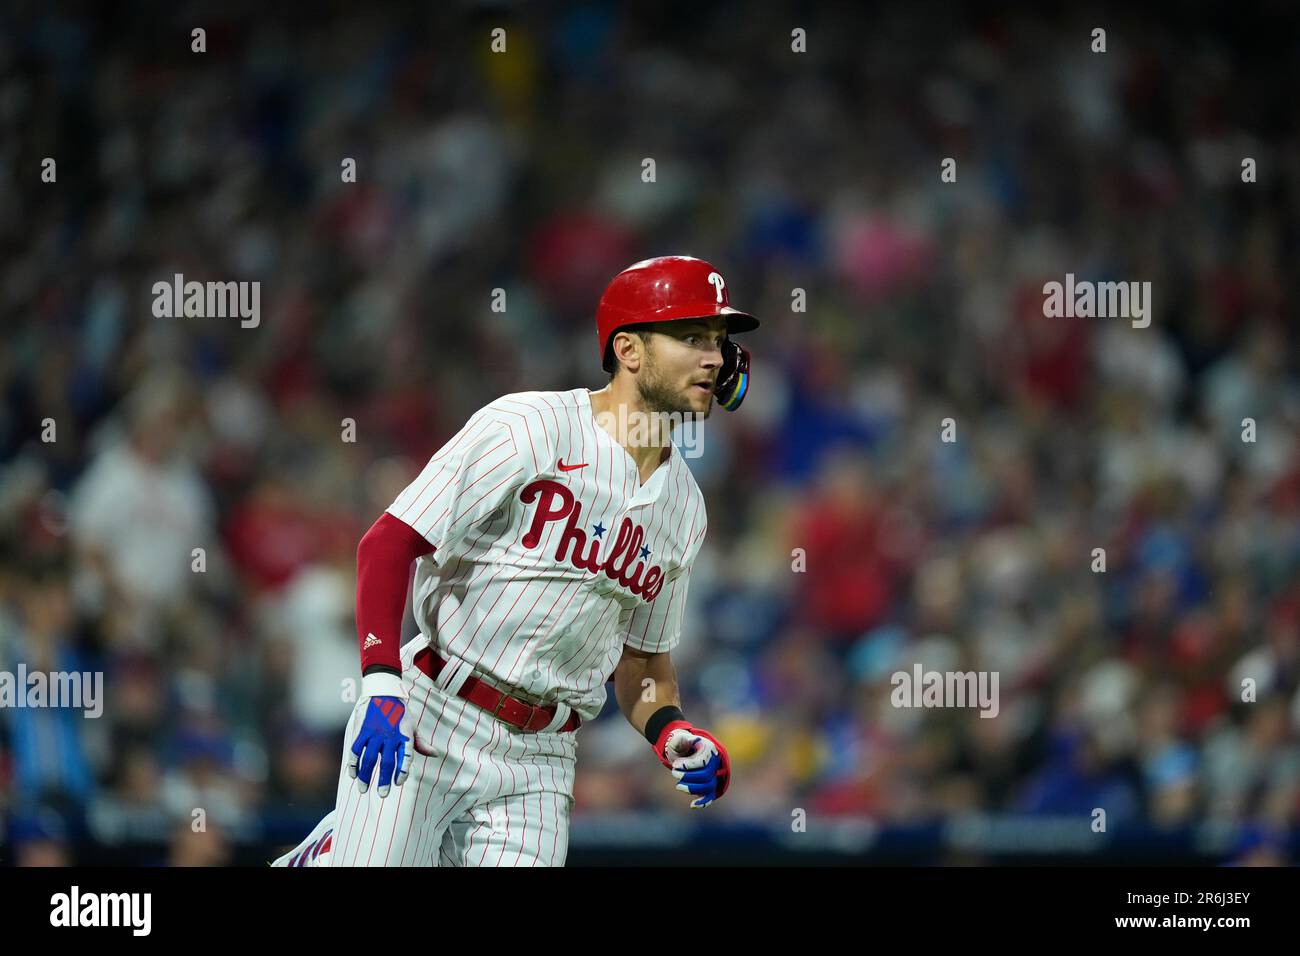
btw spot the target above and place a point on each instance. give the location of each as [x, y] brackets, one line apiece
[664, 290]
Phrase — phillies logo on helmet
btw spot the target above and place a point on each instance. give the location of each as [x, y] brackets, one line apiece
[716, 281]
[555, 502]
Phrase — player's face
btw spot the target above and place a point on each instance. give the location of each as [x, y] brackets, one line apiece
[681, 366]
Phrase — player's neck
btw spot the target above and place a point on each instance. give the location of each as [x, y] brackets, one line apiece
[618, 409]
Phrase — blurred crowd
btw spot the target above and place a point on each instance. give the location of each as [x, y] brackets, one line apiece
[181, 498]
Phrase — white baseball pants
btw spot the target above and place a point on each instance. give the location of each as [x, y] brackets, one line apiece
[489, 796]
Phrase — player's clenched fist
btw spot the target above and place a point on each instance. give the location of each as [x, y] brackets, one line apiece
[386, 729]
[698, 761]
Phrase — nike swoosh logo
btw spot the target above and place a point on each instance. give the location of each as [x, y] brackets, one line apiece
[564, 467]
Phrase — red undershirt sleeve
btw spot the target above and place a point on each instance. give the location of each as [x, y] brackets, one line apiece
[466, 481]
[384, 559]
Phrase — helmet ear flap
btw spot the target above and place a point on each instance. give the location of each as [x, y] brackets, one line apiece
[733, 377]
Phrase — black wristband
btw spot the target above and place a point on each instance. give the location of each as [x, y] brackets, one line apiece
[660, 719]
[381, 669]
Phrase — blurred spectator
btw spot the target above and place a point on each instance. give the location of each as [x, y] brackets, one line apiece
[142, 507]
[41, 839]
[50, 756]
[202, 847]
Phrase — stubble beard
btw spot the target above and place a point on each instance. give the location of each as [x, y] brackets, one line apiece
[657, 397]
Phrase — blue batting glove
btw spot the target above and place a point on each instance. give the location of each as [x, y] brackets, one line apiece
[699, 764]
[385, 731]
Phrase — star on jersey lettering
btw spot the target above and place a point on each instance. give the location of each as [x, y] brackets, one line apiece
[597, 530]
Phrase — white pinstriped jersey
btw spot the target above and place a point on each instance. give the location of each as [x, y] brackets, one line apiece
[549, 553]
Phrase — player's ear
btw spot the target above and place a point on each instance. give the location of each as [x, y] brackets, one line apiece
[629, 349]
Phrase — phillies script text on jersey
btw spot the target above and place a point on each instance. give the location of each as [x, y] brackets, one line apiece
[555, 502]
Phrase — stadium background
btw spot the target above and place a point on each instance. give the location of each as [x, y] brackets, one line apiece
[522, 171]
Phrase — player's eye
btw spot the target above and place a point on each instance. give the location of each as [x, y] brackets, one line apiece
[696, 338]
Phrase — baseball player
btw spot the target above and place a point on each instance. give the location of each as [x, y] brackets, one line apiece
[553, 537]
